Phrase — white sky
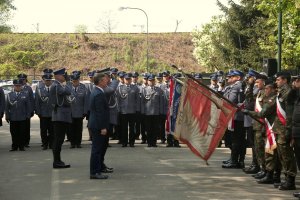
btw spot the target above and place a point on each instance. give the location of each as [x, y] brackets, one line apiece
[61, 16]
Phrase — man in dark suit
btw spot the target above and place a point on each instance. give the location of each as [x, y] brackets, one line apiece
[98, 124]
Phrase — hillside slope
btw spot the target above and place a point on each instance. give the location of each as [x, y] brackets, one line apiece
[95, 51]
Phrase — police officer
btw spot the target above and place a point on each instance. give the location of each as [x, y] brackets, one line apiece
[162, 117]
[43, 109]
[238, 150]
[61, 115]
[2, 104]
[27, 89]
[214, 82]
[142, 116]
[282, 127]
[128, 101]
[18, 109]
[89, 87]
[79, 108]
[151, 105]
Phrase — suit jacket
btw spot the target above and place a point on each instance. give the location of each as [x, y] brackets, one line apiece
[99, 110]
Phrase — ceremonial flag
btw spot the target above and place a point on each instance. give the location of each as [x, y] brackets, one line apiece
[175, 104]
[202, 118]
[168, 121]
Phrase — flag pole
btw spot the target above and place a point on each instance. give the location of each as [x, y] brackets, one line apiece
[216, 93]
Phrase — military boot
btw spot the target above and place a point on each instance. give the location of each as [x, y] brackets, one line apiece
[260, 174]
[277, 179]
[268, 179]
[253, 169]
[226, 161]
[278, 183]
[289, 184]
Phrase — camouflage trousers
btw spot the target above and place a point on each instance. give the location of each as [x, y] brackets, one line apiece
[286, 155]
[272, 162]
[259, 144]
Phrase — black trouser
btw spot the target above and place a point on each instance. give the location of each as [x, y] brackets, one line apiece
[151, 123]
[227, 138]
[17, 134]
[250, 143]
[142, 119]
[59, 130]
[162, 127]
[46, 127]
[76, 129]
[97, 155]
[105, 146]
[137, 125]
[27, 131]
[127, 119]
[297, 151]
[238, 139]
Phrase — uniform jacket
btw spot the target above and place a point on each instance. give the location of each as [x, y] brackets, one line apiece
[282, 96]
[296, 116]
[128, 99]
[166, 94]
[235, 94]
[79, 98]
[99, 111]
[18, 107]
[61, 102]
[152, 101]
[27, 89]
[43, 107]
[2, 101]
[111, 96]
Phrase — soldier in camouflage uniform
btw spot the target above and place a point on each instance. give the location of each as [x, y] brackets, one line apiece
[267, 114]
[282, 128]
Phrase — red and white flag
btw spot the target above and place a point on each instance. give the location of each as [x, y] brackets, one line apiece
[202, 118]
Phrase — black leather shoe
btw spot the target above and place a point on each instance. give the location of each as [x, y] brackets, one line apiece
[231, 165]
[143, 142]
[257, 174]
[58, 165]
[296, 194]
[226, 161]
[106, 170]
[169, 145]
[131, 145]
[27, 146]
[124, 145]
[14, 149]
[98, 176]
[78, 146]
[252, 170]
[21, 149]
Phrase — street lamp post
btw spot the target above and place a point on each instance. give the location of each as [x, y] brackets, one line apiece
[147, 53]
[279, 36]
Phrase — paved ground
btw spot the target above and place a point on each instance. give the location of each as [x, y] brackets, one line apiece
[140, 173]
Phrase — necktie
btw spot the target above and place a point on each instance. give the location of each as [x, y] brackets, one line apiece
[76, 89]
[48, 89]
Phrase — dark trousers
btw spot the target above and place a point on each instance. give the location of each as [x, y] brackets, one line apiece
[140, 126]
[297, 151]
[238, 139]
[151, 123]
[27, 131]
[127, 120]
[59, 131]
[17, 134]
[97, 152]
[227, 138]
[137, 125]
[76, 129]
[162, 127]
[46, 128]
[250, 143]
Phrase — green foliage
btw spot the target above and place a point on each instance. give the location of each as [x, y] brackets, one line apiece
[246, 33]
[5, 7]
[8, 70]
[81, 28]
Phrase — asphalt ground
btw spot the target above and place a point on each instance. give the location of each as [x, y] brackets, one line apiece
[139, 173]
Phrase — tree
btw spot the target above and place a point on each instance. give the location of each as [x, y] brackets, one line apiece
[81, 28]
[230, 40]
[290, 30]
[5, 7]
[106, 23]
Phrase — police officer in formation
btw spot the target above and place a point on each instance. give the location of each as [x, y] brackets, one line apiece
[2, 104]
[79, 108]
[128, 102]
[235, 94]
[27, 89]
[18, 109]
[152, 107]
[60, 93]
[43, 108]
